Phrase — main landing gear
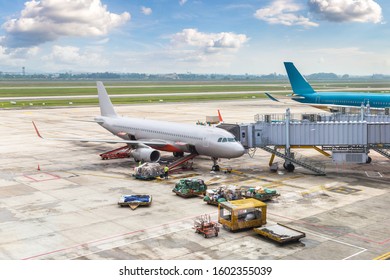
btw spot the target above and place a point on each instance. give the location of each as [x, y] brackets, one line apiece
[215, 165]
[178, 154]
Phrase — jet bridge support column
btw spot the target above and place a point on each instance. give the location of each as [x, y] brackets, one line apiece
[288, 132]
[287, 164]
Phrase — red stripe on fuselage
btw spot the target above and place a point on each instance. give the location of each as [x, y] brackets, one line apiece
[167, 148]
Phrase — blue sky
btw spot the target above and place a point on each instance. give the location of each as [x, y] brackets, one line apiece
[220, 36]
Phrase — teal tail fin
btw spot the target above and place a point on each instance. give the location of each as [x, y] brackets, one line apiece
[298, 83]
[106, 108]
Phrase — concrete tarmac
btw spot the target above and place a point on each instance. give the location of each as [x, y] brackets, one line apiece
[68, 208]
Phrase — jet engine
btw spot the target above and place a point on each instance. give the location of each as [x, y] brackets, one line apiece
[146, 154]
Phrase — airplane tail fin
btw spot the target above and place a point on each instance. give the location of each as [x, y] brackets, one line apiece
[220, 117]
[106, 107]
[298, 83]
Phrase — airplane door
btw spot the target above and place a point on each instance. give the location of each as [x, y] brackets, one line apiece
[318, 99]
[205, 142]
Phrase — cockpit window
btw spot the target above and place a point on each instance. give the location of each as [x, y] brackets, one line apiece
[224, 140]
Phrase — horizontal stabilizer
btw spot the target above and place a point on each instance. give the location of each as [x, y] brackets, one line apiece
[271, 97]
[89, 121]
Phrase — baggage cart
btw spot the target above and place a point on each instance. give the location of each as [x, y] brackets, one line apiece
[280, 233]
[135, 200]
[190, 187]
[204, 225]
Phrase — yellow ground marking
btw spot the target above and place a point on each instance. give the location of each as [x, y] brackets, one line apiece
[314, 190]
[383, 257]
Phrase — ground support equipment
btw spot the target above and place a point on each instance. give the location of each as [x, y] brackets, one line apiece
[280, 233]
[122, 152]
[135, 200]
[204, 225]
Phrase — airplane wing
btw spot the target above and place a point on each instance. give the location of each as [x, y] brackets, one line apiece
[337, 108]
[156, 143]
[168, 146]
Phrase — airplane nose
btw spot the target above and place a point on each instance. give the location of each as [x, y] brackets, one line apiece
[238, 150]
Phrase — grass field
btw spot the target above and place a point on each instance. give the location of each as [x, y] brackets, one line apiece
[53, 91]
[125, 100]
[69, 93]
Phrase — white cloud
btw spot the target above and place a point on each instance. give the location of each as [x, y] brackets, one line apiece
[209, 42]
[12, 60]
[71, 57]
[347, 10]
[182, 2]
[350, 51]
[102, 41]
[48, 20]
[191, 49]
[285, 12]
[146, 11]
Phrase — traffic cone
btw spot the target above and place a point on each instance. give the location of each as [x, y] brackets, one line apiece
[39, 169]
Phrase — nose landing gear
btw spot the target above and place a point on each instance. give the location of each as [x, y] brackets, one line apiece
[215, 165]
[289, 166]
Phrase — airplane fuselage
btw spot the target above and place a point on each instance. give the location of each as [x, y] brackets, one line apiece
[204, 140]
[304, 93]
[345, 99]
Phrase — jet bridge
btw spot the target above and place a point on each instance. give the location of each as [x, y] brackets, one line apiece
[349, 137]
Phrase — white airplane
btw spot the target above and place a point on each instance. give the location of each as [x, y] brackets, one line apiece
[148, 137]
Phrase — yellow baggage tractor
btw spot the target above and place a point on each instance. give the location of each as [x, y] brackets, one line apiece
[280, 233]
[242, 214]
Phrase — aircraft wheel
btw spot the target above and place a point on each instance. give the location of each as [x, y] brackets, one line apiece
[369, 159]
[290, 167]
[215, 168]
[178, 154]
